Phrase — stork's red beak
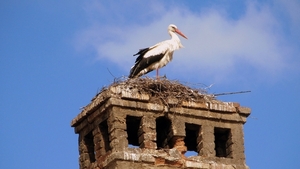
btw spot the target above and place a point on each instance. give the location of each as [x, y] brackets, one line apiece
[180, 33]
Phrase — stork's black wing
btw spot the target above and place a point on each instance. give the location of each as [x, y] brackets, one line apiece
[142, 62]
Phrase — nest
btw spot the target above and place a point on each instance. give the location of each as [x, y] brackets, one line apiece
[164, 89]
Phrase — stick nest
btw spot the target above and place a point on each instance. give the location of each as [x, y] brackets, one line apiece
[164, 89]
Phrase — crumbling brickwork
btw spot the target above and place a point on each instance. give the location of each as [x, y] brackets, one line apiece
[123, 128]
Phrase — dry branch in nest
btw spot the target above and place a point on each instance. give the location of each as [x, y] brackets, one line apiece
[163, 89]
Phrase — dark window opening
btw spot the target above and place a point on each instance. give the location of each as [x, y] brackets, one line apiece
[133, 125]
[192, 138]
[223, 142]
[104, 136]
[163, 126]
[89, 143]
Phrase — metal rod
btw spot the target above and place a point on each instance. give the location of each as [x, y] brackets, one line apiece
[228, 93]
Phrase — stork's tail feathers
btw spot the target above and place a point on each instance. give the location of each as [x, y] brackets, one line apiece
[142, 52]
[131, 74]
[133, 71]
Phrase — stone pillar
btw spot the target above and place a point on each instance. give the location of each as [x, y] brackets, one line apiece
[86, 158]
[147, 133]
[97, 142]
[207, 143]
[177, 135]
[238, 141]
[82, 152]
[117, 129]
[101, 138]
[200, 142]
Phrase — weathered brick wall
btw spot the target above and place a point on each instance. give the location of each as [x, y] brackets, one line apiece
[161, 133]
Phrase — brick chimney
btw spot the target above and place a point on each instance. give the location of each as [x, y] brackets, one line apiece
[130, 125]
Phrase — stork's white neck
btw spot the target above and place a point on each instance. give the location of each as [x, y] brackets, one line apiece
[175, 40]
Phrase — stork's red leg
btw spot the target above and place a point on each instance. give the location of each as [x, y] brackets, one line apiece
[157, 74]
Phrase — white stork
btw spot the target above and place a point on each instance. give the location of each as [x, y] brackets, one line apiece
[156, 56]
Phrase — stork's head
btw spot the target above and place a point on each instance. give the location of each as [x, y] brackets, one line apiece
[173, 28]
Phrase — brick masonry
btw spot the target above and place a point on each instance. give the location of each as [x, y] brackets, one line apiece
[159, 134]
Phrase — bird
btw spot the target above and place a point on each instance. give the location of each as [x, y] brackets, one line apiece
[158, 55]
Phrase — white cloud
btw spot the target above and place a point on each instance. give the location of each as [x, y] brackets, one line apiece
[291, 8]
[216, 44]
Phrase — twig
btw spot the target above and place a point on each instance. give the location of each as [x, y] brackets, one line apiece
[111, 73]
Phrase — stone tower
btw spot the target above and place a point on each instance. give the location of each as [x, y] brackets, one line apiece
[143, 123]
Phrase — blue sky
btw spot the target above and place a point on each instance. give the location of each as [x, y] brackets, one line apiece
[55, 56]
